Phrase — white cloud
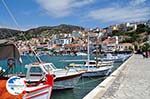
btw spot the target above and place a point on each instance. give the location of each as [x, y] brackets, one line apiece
[137, 2]
[23, 28]
[7, 26]
[121, 14]
[61, 8]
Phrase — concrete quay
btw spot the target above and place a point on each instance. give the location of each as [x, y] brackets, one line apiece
[130, 81]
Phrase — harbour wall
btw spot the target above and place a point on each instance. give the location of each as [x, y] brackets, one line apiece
[100, 90]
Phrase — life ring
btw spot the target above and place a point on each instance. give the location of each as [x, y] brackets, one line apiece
[11, 62]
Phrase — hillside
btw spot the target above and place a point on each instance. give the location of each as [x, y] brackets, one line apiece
[40, 31]
[140, 35]
[7, 33]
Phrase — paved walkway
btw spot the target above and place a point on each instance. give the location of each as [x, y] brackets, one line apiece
[133, 82]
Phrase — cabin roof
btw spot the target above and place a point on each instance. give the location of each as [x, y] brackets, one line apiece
[38, 64]
[8, 50]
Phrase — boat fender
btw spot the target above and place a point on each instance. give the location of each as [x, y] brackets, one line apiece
[49, 79]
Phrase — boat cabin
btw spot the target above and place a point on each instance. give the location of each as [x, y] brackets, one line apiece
[37, 71]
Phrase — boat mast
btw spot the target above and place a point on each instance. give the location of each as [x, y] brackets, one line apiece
[97, 46]
[88, 50]
[97, 53]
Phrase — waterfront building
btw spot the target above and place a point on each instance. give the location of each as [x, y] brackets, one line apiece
[125, 47]
[131, 25]
[110, 44]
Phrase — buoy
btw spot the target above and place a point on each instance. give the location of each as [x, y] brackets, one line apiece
[4, 70]
[0, 68]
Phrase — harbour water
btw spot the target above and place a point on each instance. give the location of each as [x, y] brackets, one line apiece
[84, 86]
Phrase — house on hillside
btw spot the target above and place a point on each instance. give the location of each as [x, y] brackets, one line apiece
[110, 44]
[148, 23]
[61, 41]
[125, 47]
[76, 34]
[131, 25]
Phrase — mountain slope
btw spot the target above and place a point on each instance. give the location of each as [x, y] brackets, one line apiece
[40, 31]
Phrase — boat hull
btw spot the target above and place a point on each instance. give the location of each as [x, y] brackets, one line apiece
[96, 73]
[66, 82]
[115, 60]
[41, 92]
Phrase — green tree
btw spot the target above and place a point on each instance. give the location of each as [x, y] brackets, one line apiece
[141, 28]
[146, 47]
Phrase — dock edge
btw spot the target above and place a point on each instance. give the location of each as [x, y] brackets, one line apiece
[100, 90]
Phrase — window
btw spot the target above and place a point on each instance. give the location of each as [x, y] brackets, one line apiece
[53, 66]
[35, 70]
[92, 63]
[47, 68]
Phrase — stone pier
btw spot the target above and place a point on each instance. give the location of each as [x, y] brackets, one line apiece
[130, 81]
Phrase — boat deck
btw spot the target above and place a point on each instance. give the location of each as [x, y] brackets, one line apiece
[63, 73]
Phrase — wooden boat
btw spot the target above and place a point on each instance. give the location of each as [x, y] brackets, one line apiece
[42, 90]
[37, 91]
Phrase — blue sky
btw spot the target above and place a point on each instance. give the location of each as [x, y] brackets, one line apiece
[86, 13]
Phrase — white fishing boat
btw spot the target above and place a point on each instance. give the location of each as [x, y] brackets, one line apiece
[115, 58]
[100, 63]
[126, 56]
[95, 72]
[93, 68]
[64, 79]
[93, 63]
[81, 54]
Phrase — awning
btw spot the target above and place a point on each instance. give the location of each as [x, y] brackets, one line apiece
[8, 50]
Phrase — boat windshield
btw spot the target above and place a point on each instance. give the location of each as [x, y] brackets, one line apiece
[92, 63]
[49, 67]
[53, 66]
[36, 70]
